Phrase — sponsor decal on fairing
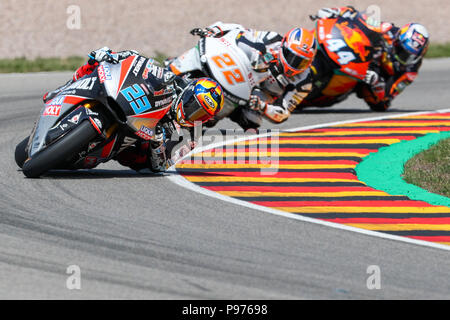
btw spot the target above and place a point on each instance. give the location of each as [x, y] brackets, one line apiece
[54, 107]
[104, 73]
[145, 133]
[138, 66]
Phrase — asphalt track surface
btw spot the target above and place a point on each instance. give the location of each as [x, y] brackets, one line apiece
[143, 237]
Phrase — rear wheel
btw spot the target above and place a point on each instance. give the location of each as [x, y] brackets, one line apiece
[69, 145]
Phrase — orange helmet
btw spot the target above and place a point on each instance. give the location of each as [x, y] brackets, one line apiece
[297, 51]
[200, 100]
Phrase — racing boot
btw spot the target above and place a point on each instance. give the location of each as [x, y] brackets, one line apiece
[136, 157]
[247, 119]
[158, 159]
[157, 154]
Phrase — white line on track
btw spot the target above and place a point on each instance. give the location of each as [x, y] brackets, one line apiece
[181, 181]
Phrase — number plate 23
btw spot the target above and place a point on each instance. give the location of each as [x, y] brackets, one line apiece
[137, 98]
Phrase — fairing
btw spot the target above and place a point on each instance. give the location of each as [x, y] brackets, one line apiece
[222, 60]
[346, 45]
[86, 88]
[128, 83]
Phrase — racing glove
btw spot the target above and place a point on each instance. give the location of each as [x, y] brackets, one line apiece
[371, 77]
[275, 113]
[256, 103]
[106, 54]
[260, 62]
[102, 54]
[207, 32]
[327, 13]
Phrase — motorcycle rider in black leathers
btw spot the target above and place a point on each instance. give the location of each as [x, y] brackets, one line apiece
[187, 110]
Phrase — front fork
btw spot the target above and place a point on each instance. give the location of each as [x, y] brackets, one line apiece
[93, 112]
[88, 111]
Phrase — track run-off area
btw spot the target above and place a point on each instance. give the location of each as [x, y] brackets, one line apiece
[312, 173]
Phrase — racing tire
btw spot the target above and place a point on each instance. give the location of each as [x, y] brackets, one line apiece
[245, 119]
[20, 155]
[72, 143]
[378, 107]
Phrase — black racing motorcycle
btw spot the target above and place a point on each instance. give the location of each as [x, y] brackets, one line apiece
[93, 119]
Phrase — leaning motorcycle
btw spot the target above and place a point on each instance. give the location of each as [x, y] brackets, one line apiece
[222, 60]
[93, 119]
[346, 48]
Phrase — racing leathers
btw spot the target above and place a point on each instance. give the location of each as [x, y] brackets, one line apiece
[275, 95]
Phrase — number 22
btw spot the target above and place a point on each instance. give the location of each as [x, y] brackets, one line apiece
[233, 75]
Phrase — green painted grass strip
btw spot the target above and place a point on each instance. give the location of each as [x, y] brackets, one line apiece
[382, 170]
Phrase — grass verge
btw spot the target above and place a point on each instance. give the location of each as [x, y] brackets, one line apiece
[72, 63]
[439, 50]
[52, 64]
[430, 169]
[40, 64]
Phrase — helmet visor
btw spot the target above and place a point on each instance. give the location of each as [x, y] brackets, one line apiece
[192, 109]
[294, 61]
[405, 57]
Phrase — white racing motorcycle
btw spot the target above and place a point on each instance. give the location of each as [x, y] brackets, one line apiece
[222, 60]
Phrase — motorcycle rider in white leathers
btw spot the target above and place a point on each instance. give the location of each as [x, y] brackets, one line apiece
[285, 60]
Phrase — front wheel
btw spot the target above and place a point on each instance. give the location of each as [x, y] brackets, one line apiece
[69, 145]
[378, 107]
[20, 155]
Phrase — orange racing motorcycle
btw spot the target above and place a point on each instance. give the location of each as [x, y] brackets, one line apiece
[346, 48]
